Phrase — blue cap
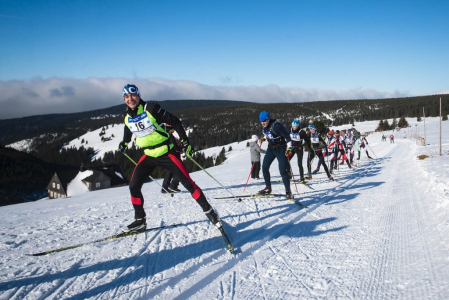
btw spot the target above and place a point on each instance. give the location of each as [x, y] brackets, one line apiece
[130, 89]
[312, 127]
[264, 116]
[295, 123]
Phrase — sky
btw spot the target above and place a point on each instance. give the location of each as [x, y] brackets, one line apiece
[67, 56]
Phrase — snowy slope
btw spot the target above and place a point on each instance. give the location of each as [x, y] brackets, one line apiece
[383, 233]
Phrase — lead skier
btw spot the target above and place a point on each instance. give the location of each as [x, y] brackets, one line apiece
[147, 121]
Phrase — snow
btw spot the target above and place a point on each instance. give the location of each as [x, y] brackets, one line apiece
[382, 233]
[77, 186]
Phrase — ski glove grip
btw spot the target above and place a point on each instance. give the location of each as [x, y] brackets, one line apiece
[122, 146]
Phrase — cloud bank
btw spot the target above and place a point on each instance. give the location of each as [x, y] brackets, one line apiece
[20, 98]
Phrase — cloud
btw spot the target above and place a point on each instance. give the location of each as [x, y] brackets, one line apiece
[19, 98]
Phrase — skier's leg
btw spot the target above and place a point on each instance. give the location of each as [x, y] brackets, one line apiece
[175, 165]
[321, 159]
[256, 169]
[140, 174]
[300, 158]
[267, 161]
[282, 161]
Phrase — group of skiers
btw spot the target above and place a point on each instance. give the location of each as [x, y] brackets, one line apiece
[384, 138]
[336, 145]
[153, 128]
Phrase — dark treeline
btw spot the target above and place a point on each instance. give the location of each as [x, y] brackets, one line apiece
[17, 129]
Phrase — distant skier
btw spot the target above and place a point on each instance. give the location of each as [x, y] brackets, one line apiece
[279, 147]
[147, 121]
[363, 140]
[349, 141]
[299, 139]
[340, 146]
[171, 182]
[316, 145]
[255, 151]
[391, 139]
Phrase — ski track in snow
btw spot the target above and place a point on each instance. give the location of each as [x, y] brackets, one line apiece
[372, 236]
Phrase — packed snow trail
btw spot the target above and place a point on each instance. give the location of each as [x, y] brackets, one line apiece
[374, 236]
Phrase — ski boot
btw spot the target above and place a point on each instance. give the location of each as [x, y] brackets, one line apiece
[302, 180]
[309, 176]
[139, 225]
[316, 171]
[265, 191]
[174, 190]
[331, 178]
[289, 196]
[164, 190]
[213, 217]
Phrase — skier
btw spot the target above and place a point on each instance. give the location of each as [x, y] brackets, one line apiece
[327, 151]
[171, 183]
[363, 140]
[280, 147]
[340, 146]
[299, 139]
[316, 145]
[147, 121]
[255, 151]
[349, 141]
[391, 139]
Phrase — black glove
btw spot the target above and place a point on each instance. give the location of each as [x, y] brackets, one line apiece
[122, 146]
[187, 148]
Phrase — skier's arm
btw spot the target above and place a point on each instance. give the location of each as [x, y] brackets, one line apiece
[163, 116]
[127, 134]
[303, 135]
[284, 133]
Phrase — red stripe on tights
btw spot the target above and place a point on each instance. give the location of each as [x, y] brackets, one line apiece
[197, 193]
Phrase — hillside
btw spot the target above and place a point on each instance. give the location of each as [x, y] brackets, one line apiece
[382, 233]
[12, 130]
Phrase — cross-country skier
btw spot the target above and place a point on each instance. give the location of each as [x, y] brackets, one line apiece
[316, 145]
[326, 152]
[391, 139]
[363, 140]
[299, 139]
[279, 147]
[255, 151]
[340, 147]
[349, 141]
[147, 121]
[171, 182]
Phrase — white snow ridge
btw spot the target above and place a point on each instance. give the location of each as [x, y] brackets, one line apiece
[381, 232]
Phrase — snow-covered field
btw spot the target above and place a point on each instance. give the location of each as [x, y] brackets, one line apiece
[382, 233]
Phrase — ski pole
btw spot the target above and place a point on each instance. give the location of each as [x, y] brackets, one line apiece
[291, 170]
[248, 176]
[148, 175]
[372, 151]
[212, 177]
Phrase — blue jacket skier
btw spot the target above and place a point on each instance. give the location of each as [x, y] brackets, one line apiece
[279, 147]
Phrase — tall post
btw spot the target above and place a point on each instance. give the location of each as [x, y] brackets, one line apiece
[440, 126]
[424, 114]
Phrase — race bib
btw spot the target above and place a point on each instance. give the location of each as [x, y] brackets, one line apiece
[295, 136]
[141, 125]
[315, 140]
